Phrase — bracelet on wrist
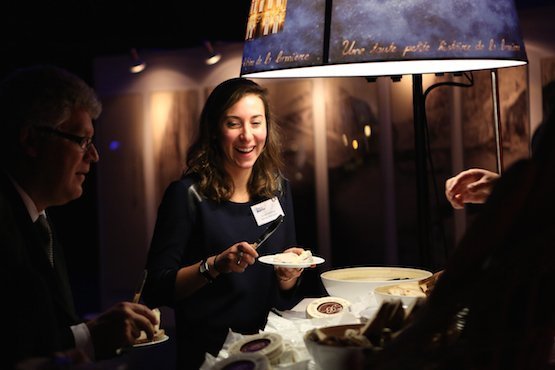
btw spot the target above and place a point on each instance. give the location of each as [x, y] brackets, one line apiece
[204, 270]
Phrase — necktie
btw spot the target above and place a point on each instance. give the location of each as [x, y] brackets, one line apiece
[46, 234]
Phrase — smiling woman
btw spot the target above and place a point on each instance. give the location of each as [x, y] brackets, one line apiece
[243, 136]
[203, 255]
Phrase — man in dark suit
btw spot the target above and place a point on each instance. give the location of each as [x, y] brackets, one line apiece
[46, 152]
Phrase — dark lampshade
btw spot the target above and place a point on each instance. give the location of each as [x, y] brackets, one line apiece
[371, 38]
[319, 38]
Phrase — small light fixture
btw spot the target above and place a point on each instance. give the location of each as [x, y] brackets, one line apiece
[137, 64]
[345, 140]
[213, 57]
[367, 130]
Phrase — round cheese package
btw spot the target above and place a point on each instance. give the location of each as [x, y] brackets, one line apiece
[268, 344]
[327, 307]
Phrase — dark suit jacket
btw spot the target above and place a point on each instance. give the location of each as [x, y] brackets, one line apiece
[37, 304]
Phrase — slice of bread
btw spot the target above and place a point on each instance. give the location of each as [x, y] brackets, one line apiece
[294, 258]
[158, 333]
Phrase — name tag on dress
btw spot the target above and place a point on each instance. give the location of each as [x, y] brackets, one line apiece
[267, 211]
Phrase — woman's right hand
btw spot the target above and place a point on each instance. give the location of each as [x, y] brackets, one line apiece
[236, 258]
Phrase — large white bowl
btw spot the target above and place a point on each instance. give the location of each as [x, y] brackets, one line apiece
[354, 283]
[329, 357]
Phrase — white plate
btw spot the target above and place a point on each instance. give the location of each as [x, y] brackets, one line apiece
[163, 339]
[269, 259]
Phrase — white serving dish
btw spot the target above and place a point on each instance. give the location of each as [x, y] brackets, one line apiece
[355, 283]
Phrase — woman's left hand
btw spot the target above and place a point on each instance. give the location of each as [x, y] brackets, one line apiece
[287, 276]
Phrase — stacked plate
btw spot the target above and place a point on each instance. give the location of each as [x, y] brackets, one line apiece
[268, 344]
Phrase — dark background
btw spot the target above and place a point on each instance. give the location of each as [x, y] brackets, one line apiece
[72, 34]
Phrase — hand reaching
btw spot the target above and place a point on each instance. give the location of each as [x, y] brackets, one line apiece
[470, 186]
[119, 327]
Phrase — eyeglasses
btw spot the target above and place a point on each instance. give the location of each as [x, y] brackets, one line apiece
[84, 142]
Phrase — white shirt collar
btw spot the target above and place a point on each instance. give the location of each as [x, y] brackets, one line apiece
[29, 204]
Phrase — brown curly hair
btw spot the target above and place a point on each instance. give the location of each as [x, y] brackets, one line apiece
[205, 156]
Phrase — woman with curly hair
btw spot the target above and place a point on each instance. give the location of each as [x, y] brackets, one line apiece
[202, 262]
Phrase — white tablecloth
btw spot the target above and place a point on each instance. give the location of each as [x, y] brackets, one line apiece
[292, 326]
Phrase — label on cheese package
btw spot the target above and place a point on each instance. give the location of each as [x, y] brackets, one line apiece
[327, 307]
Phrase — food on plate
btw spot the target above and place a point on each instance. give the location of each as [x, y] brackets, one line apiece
[294, 258]
[405, 290]
[158, 333]
[327, 307]
[349, 337]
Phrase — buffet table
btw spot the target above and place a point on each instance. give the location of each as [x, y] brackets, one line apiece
[292, 325]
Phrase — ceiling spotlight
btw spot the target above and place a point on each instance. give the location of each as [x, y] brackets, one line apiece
[213, 57]
[137, 64]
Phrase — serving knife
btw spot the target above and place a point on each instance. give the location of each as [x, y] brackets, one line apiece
[268, 232]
